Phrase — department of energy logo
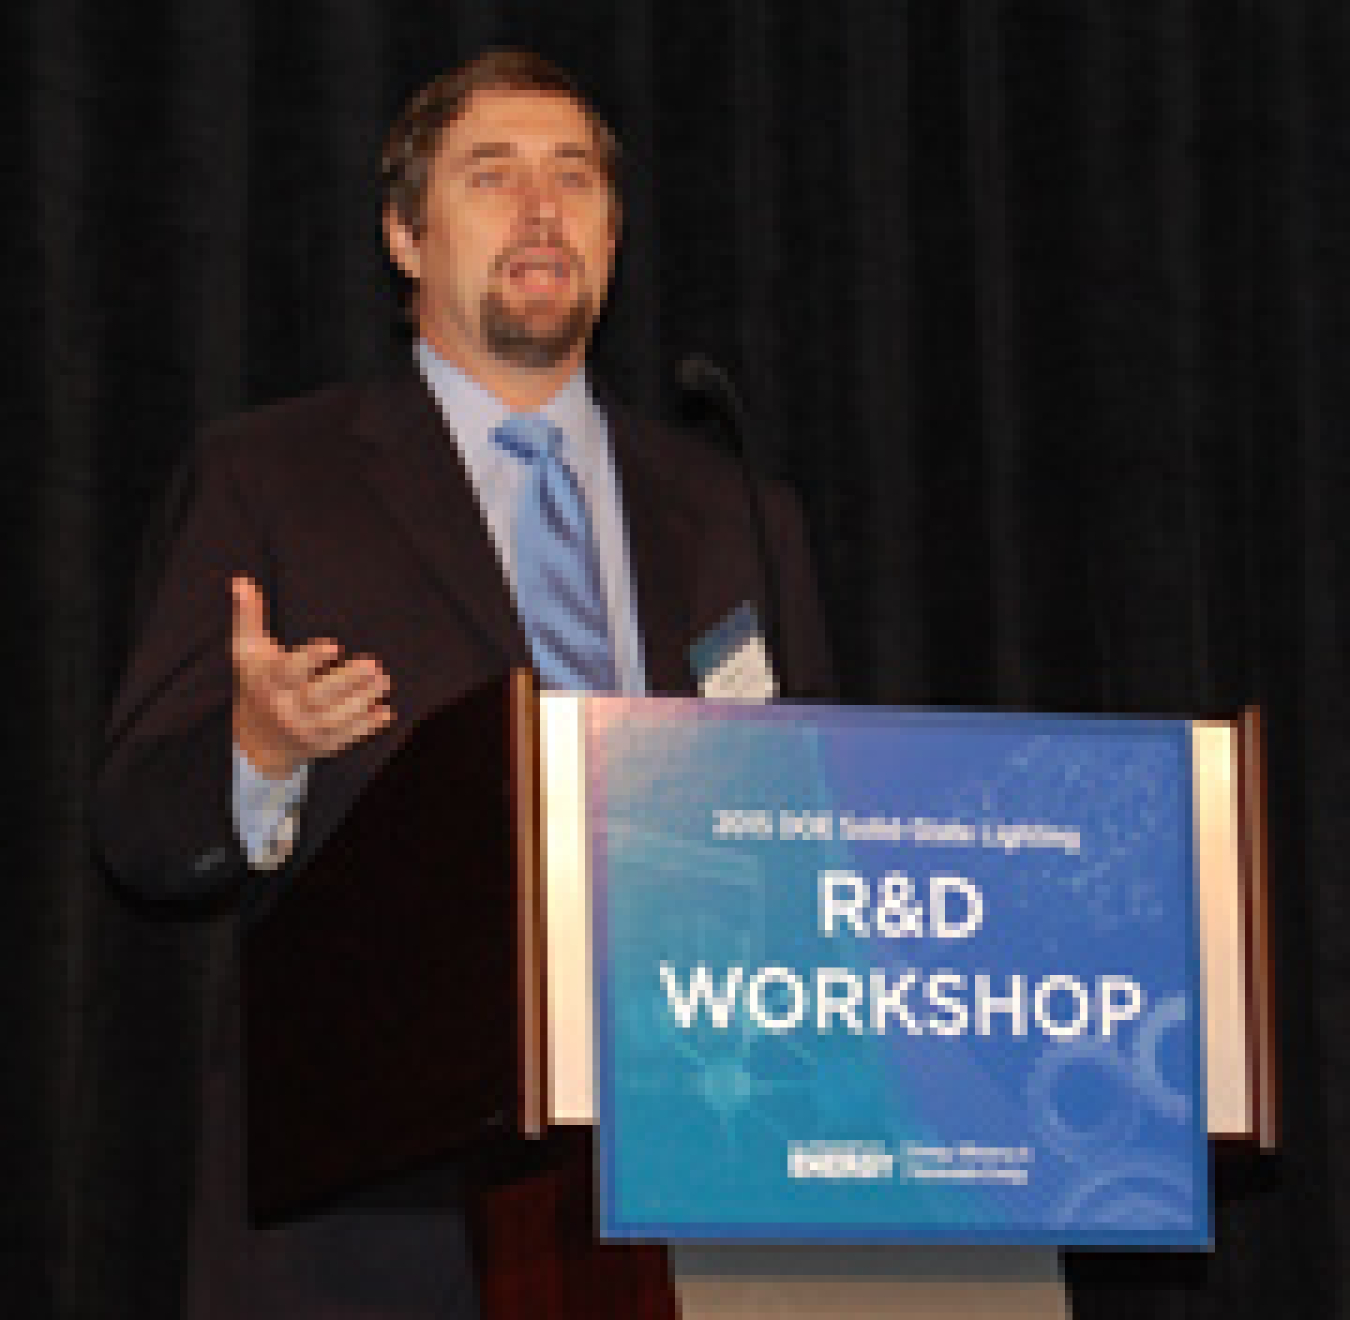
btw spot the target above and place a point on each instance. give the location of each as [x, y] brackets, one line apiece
[968, 1162]
[838, 1160]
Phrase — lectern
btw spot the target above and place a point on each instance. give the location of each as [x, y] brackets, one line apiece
[418, 1003]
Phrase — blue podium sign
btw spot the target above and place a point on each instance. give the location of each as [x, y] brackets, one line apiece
[894, 976]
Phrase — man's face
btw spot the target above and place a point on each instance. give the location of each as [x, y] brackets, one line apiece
[518, 234]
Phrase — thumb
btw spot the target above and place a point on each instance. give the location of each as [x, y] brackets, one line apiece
[250, 610]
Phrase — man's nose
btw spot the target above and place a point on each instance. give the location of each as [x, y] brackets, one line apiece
[538, 194]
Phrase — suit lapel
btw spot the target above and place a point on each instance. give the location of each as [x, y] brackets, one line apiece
[412, 465]
[662, 542]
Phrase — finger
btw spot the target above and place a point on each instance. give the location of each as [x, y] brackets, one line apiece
[375, 719]
[298, 667]
[327, 721]
[250, 609]
[335, 685]
[255, 650]
[314, 712]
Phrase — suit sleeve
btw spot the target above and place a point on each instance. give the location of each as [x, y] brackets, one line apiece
[163, 816]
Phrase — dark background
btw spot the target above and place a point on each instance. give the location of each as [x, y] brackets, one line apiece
[1040, 304]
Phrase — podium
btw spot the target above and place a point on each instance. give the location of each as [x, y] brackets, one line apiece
[417, 1012]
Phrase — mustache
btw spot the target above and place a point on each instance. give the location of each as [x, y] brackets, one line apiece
[552, 247]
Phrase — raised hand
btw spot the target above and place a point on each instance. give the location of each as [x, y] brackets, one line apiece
[291, 706]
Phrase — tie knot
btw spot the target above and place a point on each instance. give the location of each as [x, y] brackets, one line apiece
[529, 437]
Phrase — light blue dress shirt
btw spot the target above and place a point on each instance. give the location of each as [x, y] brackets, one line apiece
[472, 414]
[264, 808]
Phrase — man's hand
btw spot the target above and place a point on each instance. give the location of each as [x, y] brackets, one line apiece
[293, 706]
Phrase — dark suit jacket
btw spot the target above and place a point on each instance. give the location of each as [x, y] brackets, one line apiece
[351, 510]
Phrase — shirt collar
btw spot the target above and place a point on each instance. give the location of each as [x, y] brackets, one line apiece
[473, 412]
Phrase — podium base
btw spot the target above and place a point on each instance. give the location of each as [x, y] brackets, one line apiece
[868, 1283]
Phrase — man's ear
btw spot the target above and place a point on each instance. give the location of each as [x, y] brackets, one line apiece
[404, 249]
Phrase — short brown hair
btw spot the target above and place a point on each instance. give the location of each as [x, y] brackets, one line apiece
[411, 146]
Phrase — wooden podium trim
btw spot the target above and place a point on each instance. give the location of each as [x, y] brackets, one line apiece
[1251, 1016]
[531, 943]
[1252, 840]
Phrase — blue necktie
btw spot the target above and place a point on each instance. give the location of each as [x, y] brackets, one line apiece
[560, 592]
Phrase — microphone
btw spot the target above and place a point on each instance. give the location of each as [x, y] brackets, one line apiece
[702, 379]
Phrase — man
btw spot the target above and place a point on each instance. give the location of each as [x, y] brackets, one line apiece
[389, 546]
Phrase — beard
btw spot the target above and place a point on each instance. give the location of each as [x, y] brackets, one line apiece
[534, 339]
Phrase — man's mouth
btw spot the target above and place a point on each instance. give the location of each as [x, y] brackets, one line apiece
[537, 271]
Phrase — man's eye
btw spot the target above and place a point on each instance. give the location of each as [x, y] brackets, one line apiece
[575, 179]
[487, 178]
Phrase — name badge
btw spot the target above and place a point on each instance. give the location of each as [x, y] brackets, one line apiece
[731, 662]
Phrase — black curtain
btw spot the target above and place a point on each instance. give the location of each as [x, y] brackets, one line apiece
[1041, 304]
